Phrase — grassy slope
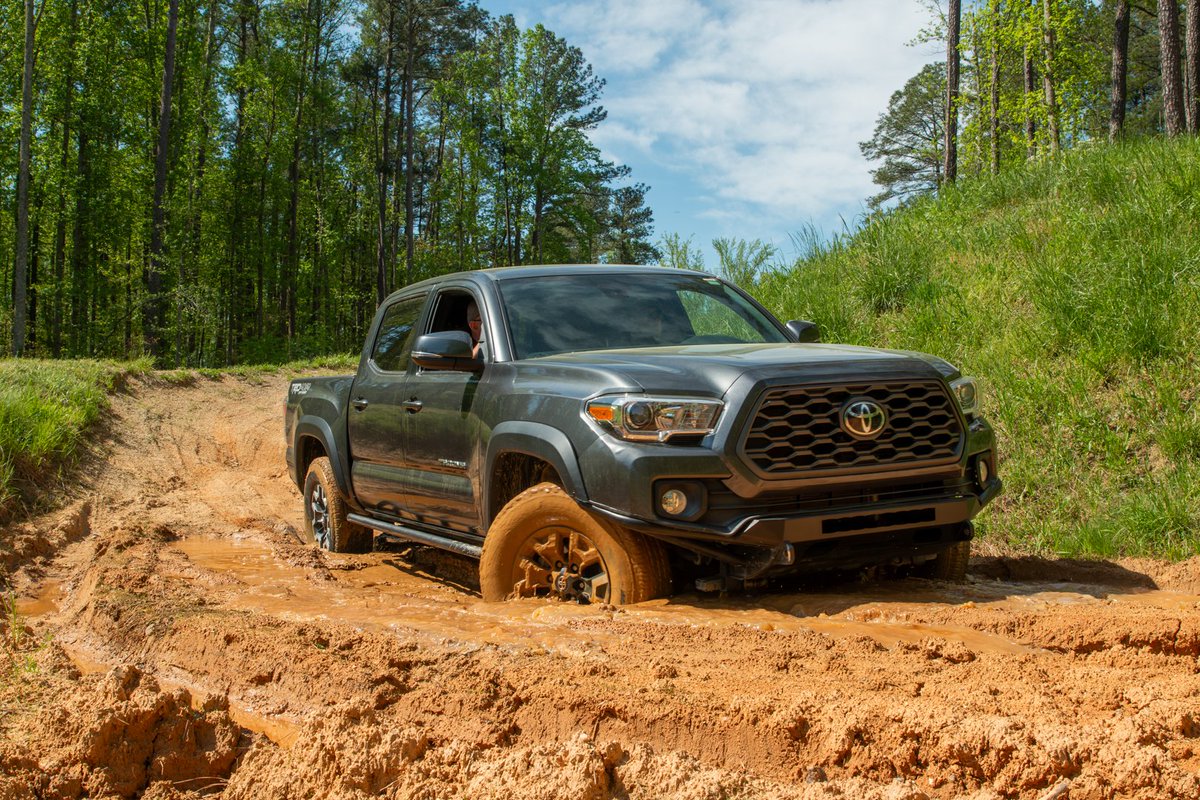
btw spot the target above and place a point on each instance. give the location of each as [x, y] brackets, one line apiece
[46, 408]
[1072, 290]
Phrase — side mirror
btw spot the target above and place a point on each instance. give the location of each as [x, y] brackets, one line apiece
[804, 331]
[446, 350]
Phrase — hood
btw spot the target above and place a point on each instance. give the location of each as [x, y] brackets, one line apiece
[710, 370]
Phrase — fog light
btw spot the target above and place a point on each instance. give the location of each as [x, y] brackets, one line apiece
[673, 502]
[982, 472]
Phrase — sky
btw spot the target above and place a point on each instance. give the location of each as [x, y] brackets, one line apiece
[743, 116]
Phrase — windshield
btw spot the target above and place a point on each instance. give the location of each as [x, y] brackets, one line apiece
[602, 311]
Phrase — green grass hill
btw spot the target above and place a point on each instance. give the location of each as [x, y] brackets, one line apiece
[1071, 289]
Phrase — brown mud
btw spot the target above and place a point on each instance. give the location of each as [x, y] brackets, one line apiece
[168, 636]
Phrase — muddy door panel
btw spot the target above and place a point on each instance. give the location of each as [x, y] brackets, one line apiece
[376, 427]
[441, 436]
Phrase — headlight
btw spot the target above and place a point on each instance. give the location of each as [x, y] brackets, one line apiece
[967, 394]
[653, 419]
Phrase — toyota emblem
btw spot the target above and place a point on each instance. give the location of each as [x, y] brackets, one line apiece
[863, 418]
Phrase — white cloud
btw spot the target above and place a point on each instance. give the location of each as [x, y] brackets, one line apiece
[762, 102]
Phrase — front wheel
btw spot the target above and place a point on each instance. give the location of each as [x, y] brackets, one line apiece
[325, 523]
[543, 544]
[950, 564]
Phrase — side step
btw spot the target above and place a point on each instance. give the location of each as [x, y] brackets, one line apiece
[420, 537]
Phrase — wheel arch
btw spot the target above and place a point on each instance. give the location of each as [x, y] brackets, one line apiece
[527, 443]
[314, 438]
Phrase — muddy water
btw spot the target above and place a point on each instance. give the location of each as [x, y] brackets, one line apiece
[381, 591]
[46, 601]
[383, 595]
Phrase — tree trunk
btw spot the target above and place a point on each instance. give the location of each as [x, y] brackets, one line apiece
[994, 105]
[19, 276]
[1120, 70]
[79, 238]
[153, 314]
[383, 248]
[1192, 37]
[287, 295]
[1048, 46]
[1172, 78]
[409, 126]
[950, 146]
[1030, 122]
[60, 225]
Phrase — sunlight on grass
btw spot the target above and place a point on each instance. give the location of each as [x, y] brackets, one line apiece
[1071, 289]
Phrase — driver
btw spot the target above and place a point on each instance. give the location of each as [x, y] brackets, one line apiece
[474, 327]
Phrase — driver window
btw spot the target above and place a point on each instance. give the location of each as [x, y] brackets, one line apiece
[458, 310]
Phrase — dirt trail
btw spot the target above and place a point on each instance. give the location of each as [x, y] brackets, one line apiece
[174, 639]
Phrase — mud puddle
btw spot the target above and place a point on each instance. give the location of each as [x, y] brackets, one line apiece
[384, 593]
[379, 592]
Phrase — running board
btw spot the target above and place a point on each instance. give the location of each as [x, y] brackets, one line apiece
[420, 537]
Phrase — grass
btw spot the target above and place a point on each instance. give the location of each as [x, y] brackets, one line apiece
[1071, 288]
[47, 407]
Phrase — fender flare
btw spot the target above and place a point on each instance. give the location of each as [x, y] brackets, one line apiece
[540, 441]
[317, 428]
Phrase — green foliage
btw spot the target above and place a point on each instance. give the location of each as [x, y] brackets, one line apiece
[1071, 288]
[45, 408]
[679, 253]
[908, 138]
[741, 261]
[309, 144]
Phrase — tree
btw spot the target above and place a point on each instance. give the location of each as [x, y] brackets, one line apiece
[154, 308]
[679, 253]
[908, 138]
[1192, 38]
[1049, 45]
[20, 277]
[741, 262]
[950, 146]
[1172, 77]
[1120, 69]
[630, 225]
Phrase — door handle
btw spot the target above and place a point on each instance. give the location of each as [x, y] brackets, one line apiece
[412, 406]
[359, 403]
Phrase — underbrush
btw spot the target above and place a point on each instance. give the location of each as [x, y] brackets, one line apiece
[1071, 289]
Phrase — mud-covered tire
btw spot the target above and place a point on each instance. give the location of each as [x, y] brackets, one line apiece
[951, 563]
[530, 551]
[325, 523]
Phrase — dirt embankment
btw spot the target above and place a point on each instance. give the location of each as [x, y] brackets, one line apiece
[174, 640]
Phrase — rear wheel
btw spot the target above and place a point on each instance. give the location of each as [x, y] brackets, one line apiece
[543, 544]
[325, 523]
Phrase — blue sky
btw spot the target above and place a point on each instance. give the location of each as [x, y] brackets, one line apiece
[743, 116]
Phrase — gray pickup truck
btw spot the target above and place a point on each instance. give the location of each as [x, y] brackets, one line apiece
[594, 432]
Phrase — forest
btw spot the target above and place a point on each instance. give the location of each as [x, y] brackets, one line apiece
[211, 182]
[1027, 79]
[220, 181]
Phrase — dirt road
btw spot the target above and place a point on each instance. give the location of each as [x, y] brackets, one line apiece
[173, 638]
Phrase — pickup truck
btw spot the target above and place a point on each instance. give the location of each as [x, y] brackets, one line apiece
[592, 432]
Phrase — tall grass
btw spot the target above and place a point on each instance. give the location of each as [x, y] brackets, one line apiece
[1071, 288]
[47, 407]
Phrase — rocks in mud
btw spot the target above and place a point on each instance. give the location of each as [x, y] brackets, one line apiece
[121, 737]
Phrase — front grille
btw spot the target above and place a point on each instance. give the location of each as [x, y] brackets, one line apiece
[797, 431]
